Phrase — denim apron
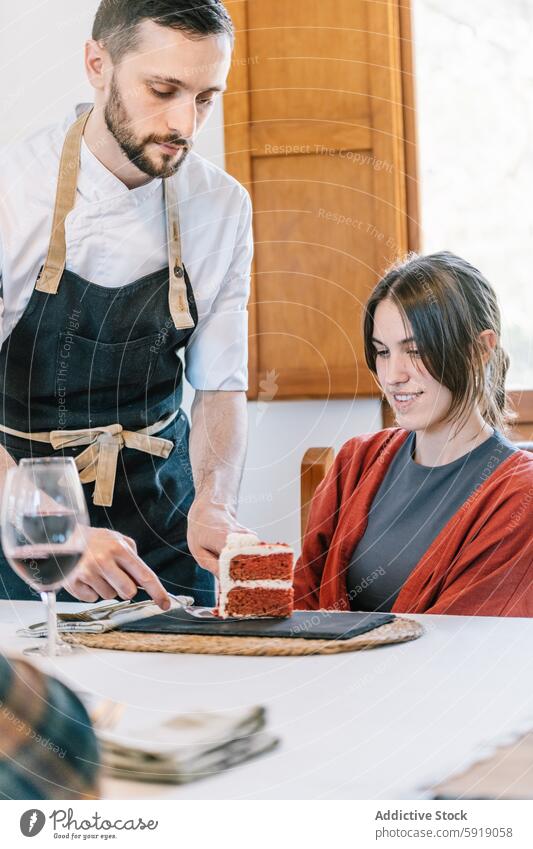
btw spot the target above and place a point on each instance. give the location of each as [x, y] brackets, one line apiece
[93, 373]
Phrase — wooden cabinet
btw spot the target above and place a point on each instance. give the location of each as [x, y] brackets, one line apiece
[522, 405]
[319, 126]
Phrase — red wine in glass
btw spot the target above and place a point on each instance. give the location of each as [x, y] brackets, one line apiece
[45, 567]
[43, 523]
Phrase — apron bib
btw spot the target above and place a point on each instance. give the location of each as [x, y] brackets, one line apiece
[93, 373]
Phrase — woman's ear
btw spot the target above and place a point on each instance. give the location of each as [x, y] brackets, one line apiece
[488, 341]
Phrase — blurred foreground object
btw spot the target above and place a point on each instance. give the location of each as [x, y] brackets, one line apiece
[47, 746]
[186, 747]
[506, 774]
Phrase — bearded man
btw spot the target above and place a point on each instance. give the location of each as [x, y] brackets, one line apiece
[120, 249]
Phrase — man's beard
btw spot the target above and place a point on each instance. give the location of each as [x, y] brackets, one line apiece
[118, 121]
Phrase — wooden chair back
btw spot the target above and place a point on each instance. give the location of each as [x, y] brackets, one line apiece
[315, 466]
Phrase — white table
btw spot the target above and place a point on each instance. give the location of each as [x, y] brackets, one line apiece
[375, 724]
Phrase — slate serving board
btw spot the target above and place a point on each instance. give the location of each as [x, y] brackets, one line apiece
[303, 624]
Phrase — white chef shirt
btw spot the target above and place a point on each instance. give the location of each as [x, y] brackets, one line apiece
[117, 235]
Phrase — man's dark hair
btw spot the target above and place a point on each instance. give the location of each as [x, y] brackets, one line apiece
[117, 21]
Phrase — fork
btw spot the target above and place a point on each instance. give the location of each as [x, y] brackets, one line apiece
[101, 611]
[95, 614]
[92, 614]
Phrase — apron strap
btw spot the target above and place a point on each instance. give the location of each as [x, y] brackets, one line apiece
[69, 166]
[178, 297]
[54, 266]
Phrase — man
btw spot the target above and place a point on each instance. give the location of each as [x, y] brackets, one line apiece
[48, 749]
[119, 248]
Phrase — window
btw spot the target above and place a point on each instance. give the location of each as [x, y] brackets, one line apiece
[474, 79]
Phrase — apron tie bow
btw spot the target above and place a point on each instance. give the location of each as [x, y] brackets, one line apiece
[99, 460]
[98, 463]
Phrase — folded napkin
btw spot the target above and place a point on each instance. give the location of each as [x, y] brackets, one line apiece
[105, 616]
[187, 746]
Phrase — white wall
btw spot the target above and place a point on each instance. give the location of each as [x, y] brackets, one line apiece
[41, 45]
[42, 62]
[279, 437]
[474, 76]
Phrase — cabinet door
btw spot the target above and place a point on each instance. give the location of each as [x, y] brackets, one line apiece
[314, 127]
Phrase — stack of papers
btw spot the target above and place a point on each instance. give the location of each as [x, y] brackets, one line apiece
[186, 747]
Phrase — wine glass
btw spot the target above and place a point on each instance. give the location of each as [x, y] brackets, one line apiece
[43, 524]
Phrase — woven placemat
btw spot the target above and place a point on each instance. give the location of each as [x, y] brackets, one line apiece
[398, 631]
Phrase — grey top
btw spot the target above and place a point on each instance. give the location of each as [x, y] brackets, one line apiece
[410, 508]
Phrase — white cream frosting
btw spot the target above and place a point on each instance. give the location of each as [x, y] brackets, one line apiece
[238, 540]
[247, 544]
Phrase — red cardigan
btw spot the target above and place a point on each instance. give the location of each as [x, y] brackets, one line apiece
[480, 564]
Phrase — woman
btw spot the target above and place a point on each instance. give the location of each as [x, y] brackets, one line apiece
[436, 515]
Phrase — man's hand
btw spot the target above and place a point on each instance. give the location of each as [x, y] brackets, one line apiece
[111, 566]
[208, 526]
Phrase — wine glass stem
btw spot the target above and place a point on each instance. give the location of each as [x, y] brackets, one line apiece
[49, 599]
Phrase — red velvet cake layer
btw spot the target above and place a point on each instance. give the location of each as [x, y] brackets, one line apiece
[274, 567]
[244, 601]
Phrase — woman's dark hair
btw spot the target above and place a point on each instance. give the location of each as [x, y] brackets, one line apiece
[116, 22]
[448, 303]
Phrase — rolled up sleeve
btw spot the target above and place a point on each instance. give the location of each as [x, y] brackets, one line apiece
[217, 355]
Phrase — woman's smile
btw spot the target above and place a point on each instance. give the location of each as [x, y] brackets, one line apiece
[402, 401]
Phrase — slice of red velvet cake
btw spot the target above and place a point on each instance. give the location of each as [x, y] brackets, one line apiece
[255, 578]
